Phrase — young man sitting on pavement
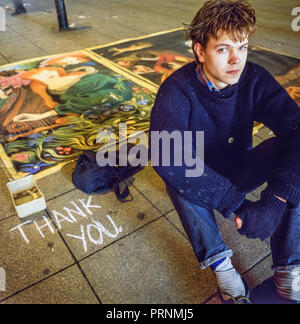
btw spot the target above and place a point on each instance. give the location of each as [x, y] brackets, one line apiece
[222, 94]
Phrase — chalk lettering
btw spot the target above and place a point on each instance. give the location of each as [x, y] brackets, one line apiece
[19, 227]
[78, 211]
[93, 232]
[82, 238]
[88, 205]
[102, 230]
[48, 224]
[59, 218]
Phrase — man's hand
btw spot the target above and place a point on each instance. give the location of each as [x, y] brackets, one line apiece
[239, 222]
[260, 219]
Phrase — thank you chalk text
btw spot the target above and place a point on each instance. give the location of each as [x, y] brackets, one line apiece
[94, 232]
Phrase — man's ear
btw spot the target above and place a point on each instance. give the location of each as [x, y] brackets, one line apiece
[199, 51]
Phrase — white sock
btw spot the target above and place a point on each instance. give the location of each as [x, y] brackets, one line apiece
[229, 280]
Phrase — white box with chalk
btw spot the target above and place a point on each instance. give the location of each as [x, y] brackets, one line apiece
[26, 196]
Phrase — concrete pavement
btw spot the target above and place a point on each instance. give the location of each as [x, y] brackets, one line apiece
[94, 249]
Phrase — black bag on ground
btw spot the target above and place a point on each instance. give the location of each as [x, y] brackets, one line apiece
[91, 178]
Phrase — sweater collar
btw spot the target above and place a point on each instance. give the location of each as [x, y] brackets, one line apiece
[205, 82]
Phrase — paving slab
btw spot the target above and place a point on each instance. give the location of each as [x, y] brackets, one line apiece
[153, 265]
[150, 184]
[18, 47]
[58, 183]
[146, 20]
[28, 257]
[42, 31]
[215, 300]
[3, 60]
[90, 38]
[89, 223]
[260, 272]
[7, 208]
[174, 219]
[66, 287]
[53, 43]
[247, 252]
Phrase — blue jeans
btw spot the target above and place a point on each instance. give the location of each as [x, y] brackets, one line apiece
[201, 227]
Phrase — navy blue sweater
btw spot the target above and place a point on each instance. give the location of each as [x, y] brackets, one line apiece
[184, 104]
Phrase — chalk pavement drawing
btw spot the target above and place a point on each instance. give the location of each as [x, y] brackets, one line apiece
[51, 109]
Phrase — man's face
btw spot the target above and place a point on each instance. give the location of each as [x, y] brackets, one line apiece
[223, 60]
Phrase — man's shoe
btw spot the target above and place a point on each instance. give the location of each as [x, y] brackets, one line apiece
[19, 11]
[240, 299]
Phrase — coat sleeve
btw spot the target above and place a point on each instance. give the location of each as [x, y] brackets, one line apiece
[278, 111]
[171, 113]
